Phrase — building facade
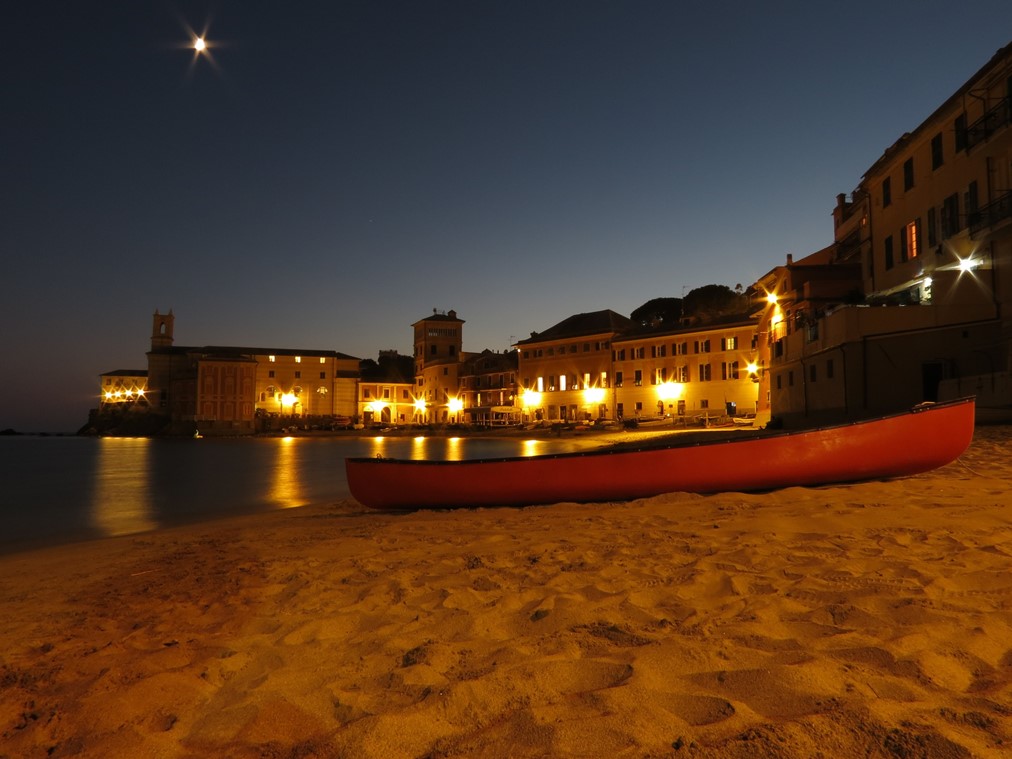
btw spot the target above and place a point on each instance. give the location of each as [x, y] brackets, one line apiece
[689, 374]
[241, 390]
[931, 226]
[438, 341]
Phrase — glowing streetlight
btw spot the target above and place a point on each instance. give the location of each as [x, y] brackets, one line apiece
[455, 405]
[966, 264]
[199, 45]
[592, 395]
[670, 391]
[752, 367]
[530, 399]
[771, 298]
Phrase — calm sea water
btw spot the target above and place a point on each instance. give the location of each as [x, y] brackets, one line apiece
[59, 489]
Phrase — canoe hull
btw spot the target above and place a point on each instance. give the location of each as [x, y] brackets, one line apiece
[897, 445]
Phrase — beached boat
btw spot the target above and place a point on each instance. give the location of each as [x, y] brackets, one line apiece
[924, 438]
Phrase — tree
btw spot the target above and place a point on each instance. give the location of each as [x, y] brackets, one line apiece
[713, 302]
[666, 311]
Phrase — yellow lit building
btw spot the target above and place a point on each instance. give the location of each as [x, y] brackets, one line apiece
[566, 371]
[241, 390]
[931, 227]
[438, 340]
[123, 389]
[695, 373]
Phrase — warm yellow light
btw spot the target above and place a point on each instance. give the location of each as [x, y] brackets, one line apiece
[140, 393]
[368, 408]
[455, 405]
[593, 394]
[420, 406]
[752, 367]
[670, 391]
[108, 395]
[966, 264]
[771, 298]
[530, 398]
[199, 44]
[288, 399]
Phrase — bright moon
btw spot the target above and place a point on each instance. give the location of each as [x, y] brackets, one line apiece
[199, 44]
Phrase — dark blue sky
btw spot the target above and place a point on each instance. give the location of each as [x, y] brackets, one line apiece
[335, 170]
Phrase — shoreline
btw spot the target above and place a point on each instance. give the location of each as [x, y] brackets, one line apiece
[872, 619]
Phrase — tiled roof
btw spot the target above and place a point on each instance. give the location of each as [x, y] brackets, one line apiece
[579, 325]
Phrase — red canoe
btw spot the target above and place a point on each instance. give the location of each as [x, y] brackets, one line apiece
[924, 438]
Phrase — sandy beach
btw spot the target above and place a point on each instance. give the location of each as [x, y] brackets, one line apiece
[871, 620]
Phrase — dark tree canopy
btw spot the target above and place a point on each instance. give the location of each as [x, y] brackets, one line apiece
[666, 311]
[713, 302]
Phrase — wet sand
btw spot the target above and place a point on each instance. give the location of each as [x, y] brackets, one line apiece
[869, 620]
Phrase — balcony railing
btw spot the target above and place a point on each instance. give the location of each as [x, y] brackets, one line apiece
[995, 119]
[990, 215]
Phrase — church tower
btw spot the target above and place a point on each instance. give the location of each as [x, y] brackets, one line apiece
[161, 330]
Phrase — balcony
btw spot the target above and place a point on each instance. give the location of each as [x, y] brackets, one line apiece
[995, 119]
[991, 215]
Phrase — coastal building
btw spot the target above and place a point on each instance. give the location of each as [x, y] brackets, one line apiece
[686, 373]
[241, 390]
[438, 340]
[123, 390]
[386, 391]
[930, 228]
[488, 387]
[566, 371]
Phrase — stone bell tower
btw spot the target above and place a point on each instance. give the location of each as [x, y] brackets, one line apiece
[161, 330]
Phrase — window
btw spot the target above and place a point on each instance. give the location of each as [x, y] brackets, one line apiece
[323, 375]
[562, 350]
[618, 379]
[908, 174]
[432, 350]
[620, 410]
[829, 368]
[446, 370]
[704, 373]
[453, 350]
[888, 247]
[637, 352]
[950, 216]
[729, 370]
[932, 228]
[620, 354]
[937, 157]
[270, 372]
[563, 382]
[960, 128]
[271, 359]
[790, 379]
[911, 240]
[728, 343]
[298, 359]
[298, 375]
[887, 192]
[638, 377]
[586, 347]
[323, 360]
[970, 203]
[811, 373]
[682, 374]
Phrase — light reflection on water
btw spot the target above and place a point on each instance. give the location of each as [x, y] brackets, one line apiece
[60, 489]
[285, 483]
[122, 500]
